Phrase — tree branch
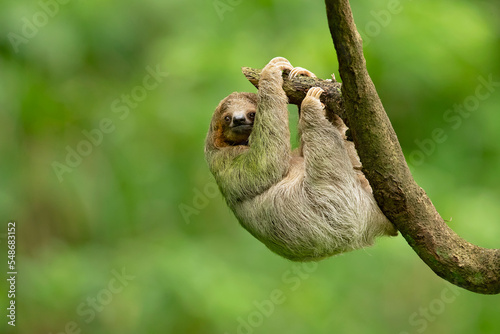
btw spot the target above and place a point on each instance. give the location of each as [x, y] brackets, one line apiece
[297, 88]
[398, 195]
[406, 204]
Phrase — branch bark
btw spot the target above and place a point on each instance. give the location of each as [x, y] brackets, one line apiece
[398, 195]
[297, 88]
[405, 204]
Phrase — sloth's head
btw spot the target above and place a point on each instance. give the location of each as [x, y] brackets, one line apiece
[233, 119]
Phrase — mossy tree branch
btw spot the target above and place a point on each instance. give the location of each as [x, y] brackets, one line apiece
[406, 204]
[398, 195]
[297, 88]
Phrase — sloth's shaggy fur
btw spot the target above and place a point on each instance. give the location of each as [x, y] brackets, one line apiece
[304, 205]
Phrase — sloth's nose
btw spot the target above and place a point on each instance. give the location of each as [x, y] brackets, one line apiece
[238, 120]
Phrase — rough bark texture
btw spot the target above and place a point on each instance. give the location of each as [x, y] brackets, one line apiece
[406, 204]
[297, 88]
[400, 198]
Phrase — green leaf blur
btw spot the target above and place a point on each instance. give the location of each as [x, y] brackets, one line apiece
[104, 108]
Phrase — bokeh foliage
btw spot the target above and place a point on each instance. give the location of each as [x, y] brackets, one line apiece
[121, 207]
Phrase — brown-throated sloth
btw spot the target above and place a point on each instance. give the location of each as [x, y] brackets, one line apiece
[303, 206]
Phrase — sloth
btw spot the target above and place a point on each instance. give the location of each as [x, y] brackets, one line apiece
[304, 205]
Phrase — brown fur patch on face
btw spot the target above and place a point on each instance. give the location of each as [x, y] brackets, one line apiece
[218, 124]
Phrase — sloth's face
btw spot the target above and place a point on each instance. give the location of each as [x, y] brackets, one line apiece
[238, 123]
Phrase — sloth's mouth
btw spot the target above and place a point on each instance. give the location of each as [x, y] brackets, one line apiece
[242, 128]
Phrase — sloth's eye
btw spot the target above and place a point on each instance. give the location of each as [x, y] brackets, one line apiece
[251, 115]
[227, 119]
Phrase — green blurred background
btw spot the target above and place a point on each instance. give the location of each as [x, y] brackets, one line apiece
[132, 237]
